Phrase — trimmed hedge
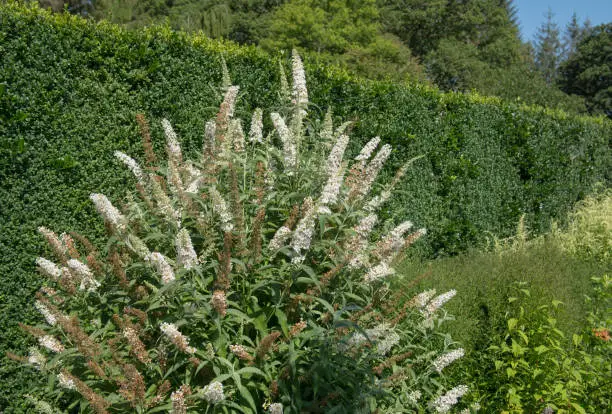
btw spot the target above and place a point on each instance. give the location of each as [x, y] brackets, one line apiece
[70, 90]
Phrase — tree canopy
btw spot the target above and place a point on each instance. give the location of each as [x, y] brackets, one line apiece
[456, 45]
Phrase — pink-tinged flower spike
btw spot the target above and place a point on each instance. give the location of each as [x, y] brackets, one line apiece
[108, 212]
[445, 360]
[300, 92]
[172, 145]
[58, 247]
[287, 139]
[88, 282]
[161, 265]
[177, 338]
[48, 268]
[132, 165]
[256, 132]
[444, 403]
[186, 256]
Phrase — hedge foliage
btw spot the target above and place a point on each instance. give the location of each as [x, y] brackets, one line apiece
[70, 91]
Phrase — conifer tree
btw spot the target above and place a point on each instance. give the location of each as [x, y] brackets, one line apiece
[548, 49]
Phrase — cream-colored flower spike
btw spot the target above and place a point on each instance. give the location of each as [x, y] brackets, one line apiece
[334, 161]
[186, 256]
[220, 207]
[300, 92]
[110, 214]
[172, 144]
[287, 139]
[256, 131]
[49, 268]
[132, 165]
[162, 266]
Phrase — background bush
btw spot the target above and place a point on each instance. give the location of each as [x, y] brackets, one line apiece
[70, 89]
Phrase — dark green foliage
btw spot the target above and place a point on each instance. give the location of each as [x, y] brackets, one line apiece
[343, 32]
[588, 72]
[70, 90]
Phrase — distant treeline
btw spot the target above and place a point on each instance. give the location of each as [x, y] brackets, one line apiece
[455, 45]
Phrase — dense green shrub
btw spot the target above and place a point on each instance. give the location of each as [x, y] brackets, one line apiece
[70, 90]
[532, 364]
[249, 278]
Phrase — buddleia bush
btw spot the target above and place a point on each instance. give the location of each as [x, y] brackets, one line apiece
[250, 278]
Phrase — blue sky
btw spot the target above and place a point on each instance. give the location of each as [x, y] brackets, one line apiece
[532, 13]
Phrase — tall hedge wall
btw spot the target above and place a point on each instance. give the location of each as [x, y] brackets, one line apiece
[70, 90]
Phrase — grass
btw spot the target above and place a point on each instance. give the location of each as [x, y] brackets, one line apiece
[557, 266]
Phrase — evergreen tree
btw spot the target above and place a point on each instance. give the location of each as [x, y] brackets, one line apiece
[572, 36]
[548, 49]
[512, 11]
[588, 72]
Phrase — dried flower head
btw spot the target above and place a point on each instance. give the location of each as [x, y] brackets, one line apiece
[241, 352]
[219, 302]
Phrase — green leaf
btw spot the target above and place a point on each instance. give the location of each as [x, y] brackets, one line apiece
[512, 323]
[282, 320]
[244, 392]
[251, 370]
[579, 408]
